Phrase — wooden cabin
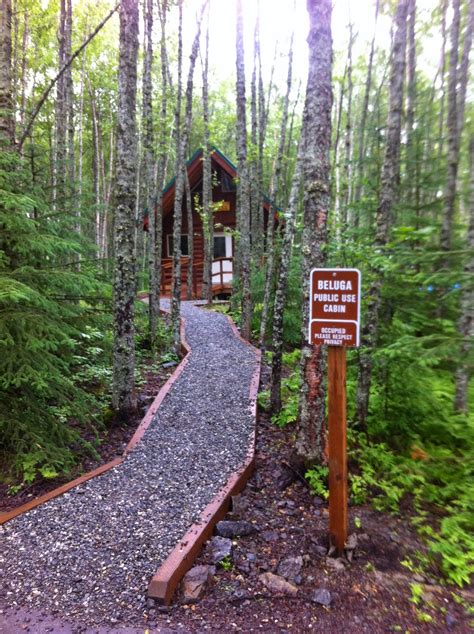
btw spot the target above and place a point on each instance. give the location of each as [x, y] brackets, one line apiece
[224, 203]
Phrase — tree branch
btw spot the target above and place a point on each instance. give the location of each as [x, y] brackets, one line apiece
[76, 53]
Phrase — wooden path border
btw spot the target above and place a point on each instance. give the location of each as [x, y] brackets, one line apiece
[165, 581]
[180, 560]
[137, 436]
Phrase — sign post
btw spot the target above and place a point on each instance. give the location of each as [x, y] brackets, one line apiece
[335, 321]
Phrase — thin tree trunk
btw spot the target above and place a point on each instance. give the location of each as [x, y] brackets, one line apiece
[14, 39]
[181, 146]
[337, 166]
[80, 126]
[96, 170]
[178, 195]
[207, 213]
[61, 113]
[243, 194]
[255, 193]
[148, 171]
[189, 216]
[275, 196]
[69, 93]
[411, 103]
[463, 74]
[124, 397]
[384, 216]
[453, 136]
[348, 135]
[359, 188]
[24, 63]
[162, 142]
[289, 145]
[282, 284]
[442, 67]
[466, 318]
[309, 443]
[6, 106]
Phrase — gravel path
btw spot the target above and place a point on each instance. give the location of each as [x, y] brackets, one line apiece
[89, 554]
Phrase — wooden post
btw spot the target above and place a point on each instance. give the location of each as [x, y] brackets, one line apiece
[338, 520]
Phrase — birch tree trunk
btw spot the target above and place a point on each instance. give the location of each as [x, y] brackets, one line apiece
[207, 213]
[243, 193]
[162, 143]
[411, 101]
[363, 122]
[69, 93]
[452, 133]
[336, 165]
[255, 192]
[189, 217]
[384, 215]
[348, 135]
[59, 195]
[466, 319]
[96, 159]
[148, 171]
[282, 283]
[442, 69]
[309, 443]
[275, 195]
[181, 146]
[124, 397]
[6, 106]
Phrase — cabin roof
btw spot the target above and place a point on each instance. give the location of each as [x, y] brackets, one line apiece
[193, 165]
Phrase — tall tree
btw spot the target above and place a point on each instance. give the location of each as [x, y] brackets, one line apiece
[148, 168]
[309, 444]
[457, 85]
[388, 197]
[411, 98]
[189, 218]
[466, 318]
[182, 136]
[207, 213]
[6, 106]
[347, 197]
[243, 194]
[124, 397]
[282, 283]
[162, 148]
[363, 122]
[275, 195]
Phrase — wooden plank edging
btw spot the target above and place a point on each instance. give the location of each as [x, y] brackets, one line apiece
[165, 581]
[137, 436]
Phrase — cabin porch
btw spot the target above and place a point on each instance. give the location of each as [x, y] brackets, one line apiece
[222, 272]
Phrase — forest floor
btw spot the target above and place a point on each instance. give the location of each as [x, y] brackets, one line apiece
[110, 441]
[372, 593]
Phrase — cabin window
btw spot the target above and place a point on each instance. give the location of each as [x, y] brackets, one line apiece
[184, 245]
[222, 246]
[219, 246]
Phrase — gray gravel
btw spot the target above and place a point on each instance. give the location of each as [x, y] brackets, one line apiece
[89, 554]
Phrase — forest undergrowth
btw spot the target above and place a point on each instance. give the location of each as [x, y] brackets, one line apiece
[424, 479]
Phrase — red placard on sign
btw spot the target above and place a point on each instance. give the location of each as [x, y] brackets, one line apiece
[334, 307]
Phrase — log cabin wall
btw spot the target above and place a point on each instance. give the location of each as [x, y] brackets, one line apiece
[222, 183]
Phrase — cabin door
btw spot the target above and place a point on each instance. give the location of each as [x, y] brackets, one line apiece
[222, 262]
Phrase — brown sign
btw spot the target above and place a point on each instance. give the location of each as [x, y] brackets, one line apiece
[334, 307]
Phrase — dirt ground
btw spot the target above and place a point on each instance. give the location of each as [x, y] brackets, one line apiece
[372, 593]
